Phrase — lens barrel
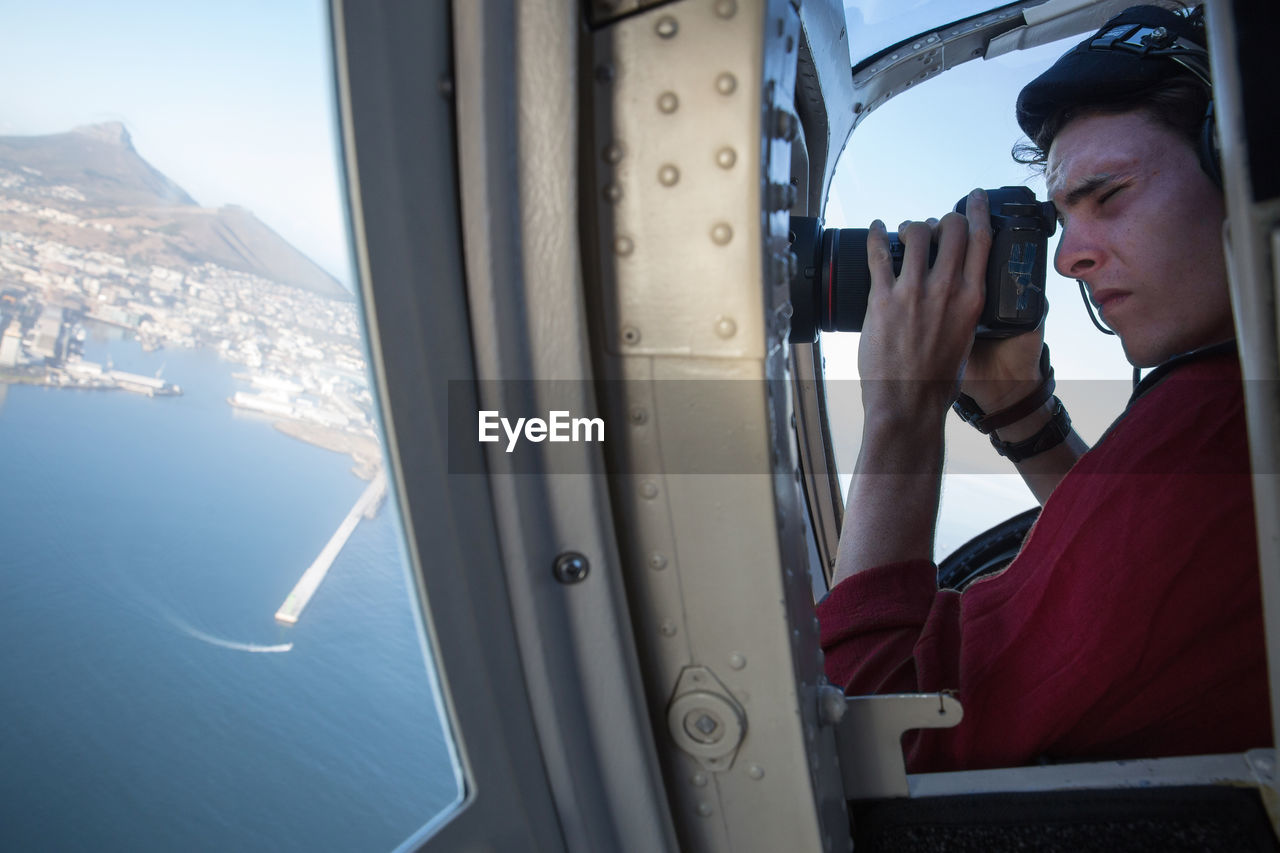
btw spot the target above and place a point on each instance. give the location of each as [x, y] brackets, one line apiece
[830, 293]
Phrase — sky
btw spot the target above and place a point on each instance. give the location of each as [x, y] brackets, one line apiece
[234, 101]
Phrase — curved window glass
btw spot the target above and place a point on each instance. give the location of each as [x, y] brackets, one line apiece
[207, 633]
[914, 158]
[874, 25]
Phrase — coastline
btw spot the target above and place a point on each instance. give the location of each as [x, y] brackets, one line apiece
[365, 453]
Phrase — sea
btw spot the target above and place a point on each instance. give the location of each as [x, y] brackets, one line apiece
[148, 698]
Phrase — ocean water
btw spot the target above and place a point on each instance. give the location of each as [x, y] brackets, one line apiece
[148, 698]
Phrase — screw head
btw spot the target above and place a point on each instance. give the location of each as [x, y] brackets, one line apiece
[703, 727]
[571, 567]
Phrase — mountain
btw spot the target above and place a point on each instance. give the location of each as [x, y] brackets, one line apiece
[93, 174]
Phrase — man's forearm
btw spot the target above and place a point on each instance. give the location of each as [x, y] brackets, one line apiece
[893, 499]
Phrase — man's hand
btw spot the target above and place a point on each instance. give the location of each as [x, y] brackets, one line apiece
[915, 339]
[1002, 372]
[919, 326]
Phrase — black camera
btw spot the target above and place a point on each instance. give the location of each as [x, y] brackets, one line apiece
[832, 280]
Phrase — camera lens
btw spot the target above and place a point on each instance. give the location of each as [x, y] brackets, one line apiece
[830, 293]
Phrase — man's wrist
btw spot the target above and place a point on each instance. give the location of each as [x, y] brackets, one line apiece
[1029, 425]
[1016, 398]
[1053, 433]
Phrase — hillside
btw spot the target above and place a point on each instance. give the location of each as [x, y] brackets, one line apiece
[90, 189]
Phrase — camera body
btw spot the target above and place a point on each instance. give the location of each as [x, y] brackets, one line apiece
[832, 280]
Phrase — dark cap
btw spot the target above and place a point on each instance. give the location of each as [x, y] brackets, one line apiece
[1133, 51]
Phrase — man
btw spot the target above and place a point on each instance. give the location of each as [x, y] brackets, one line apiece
[1130, 624]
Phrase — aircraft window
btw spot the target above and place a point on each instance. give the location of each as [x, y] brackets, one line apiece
[914, 158]
[208, 634]
[874, 25]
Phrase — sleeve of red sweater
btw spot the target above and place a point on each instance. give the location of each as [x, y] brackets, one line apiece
[1129, 625]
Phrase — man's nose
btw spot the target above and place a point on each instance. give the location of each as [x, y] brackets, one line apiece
[1078, 253]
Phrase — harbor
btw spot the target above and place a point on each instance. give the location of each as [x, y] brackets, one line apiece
[365, 507]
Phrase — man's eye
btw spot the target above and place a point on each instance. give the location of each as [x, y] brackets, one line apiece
[1108, 194]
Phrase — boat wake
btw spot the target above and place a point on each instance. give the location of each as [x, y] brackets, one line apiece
[255, 648]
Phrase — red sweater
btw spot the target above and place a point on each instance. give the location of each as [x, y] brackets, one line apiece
[1130, 625]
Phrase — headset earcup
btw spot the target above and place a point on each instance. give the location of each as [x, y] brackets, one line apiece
[1210, 160]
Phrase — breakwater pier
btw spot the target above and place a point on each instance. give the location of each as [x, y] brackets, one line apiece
[366, 505]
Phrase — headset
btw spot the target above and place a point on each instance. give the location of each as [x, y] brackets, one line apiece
[1160, 43]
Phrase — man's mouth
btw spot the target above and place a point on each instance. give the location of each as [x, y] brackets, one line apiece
[1103, 299]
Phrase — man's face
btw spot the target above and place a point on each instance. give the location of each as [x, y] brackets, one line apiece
[1142, 228]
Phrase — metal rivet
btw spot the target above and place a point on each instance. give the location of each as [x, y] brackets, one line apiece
[699, 779]
[857, 108]
[666, 27]
[668, 628]
[613, 193]
[791, 44]
[604, 73]
[648, 489]
[668, 102]
[755, 771]
[631, 335]
[726, 328]
[613, 153]
[726, 157]
[726, 83]
[657, 561]
[570, 567]
[639, 416]
[737, 661]
[721, 233]
[704, 809]
[668, 175]
[726, 8]
[624, 245]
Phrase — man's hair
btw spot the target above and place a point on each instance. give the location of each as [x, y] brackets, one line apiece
[1178, 104]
